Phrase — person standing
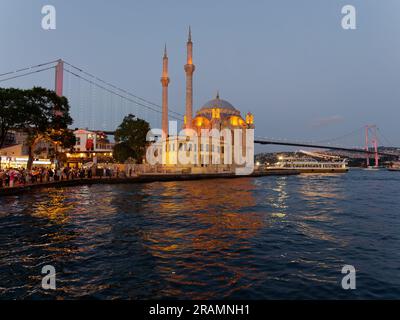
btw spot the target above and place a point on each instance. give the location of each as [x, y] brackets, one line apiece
[12, 178]
[1, 178]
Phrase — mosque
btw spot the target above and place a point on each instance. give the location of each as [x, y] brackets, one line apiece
[204, 152]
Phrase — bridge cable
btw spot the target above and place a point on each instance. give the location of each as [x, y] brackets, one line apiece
[383, 136]
[26, 74]
[116, 93]
[119, 89]
[341, 137]
[28, 68]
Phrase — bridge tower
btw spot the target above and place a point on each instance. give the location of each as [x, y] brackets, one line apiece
[374, 142]
[165, 83]
[189, 69]
[59, 77]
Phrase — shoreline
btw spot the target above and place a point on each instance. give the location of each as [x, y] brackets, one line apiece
[144, 178]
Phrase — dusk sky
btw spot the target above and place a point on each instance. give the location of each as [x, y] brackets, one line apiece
[289, 62]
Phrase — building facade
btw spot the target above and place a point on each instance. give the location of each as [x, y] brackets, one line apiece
[15, 153]
[207, 143]
[90, 146]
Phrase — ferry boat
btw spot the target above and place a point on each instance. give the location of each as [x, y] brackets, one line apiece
[310, 165]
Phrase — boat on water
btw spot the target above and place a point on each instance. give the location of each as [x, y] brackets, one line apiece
[311, 165]
[394, 166]
[371, 168]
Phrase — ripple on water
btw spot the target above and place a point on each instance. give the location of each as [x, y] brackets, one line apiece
[249, 238]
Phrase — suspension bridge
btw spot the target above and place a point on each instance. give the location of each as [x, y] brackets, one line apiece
[101, 105]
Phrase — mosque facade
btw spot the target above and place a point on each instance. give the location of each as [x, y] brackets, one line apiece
[209, 135]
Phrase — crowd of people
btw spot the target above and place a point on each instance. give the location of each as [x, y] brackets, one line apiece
[12, 177]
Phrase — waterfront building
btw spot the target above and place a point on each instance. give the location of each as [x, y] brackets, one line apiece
[208, 135]
[15, 153]
[90, 146]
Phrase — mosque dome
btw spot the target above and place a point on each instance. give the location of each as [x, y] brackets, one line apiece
[217, 103]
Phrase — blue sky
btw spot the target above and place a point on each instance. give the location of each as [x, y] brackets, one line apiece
[287, 61]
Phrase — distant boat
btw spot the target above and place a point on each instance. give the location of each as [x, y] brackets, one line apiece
[309, 165]
[394, 166]
[372, 168]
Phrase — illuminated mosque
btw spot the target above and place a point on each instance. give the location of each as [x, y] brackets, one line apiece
[216, 114]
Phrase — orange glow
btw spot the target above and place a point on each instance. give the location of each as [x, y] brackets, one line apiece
[249, 118]
[216, 113]
[237, 121]
[201, 122]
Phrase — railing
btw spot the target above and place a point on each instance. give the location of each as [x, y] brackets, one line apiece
[104, 146]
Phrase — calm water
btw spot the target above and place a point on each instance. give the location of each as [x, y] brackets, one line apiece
[249, 238]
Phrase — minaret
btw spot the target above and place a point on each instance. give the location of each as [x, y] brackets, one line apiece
[189, 69]
[164, 83]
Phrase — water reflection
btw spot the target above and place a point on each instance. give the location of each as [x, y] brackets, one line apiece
[199, 231]
[271, 237]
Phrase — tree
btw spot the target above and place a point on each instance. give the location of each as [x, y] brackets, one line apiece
[48, 120]
[40, 113]
[122, 152]
[12, 112]
[130, 138]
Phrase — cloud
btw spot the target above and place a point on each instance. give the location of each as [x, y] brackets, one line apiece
[324, 122]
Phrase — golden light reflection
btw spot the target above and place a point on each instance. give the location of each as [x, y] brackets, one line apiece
[65, 213]
[224, 229]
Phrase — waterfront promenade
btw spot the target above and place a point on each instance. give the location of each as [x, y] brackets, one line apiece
[141, 178]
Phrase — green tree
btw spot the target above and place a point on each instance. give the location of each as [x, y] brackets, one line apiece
[13, 115]
[40, 113]
[130, 138]
[48, 120]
